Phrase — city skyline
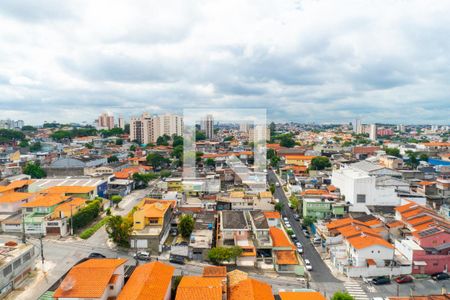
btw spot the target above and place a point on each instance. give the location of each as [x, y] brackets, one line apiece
[302, 61]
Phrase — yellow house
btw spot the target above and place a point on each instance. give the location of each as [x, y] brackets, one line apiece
[299, 160]
[150, 215]
[174, 184]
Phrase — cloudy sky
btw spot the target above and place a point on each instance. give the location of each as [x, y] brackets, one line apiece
[311, 60]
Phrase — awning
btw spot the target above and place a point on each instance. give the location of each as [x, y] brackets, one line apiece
[420, 263]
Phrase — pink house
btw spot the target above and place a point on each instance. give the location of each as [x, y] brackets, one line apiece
[435, 253]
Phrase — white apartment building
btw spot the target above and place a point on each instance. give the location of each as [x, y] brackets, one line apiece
[362, 189]
[146, 129]
[105, 121]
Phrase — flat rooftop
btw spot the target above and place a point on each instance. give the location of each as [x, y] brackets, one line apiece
[233, 220]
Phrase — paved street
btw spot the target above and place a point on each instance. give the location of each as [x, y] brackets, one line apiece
[321, 277]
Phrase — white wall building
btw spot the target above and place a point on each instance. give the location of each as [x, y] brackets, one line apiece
[146, 129]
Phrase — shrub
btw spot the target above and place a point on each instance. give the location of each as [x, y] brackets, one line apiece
[86, 215]
[91, 230]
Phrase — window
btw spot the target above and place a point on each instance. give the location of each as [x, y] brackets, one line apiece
[361, 198]
[17, 264]
[27, 257]
[153, 221]
[7, 270]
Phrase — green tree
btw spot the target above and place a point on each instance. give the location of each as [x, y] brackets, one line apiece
[34, 170]
[423, 157]
[177, 141]
[412, 161]
[228, 138]
[320, 163]
[177, 152]
[89, 145]
[116, 199]
[119, 142]
[60, 135]
[200, 135]
[279, 206]
[309, 220]
[165, 173]
[133, 147]
[35, 147]
[271, 153]
[29, 128]
[9, 135]
[86, 215]
[287, 141]
[393, 152]
[163, 140]
[272, 188]
[141, 180]
[218, 255]
[23, 144]
[294, 201]
[119, 230]
[342, 296]
[186, 225]
[112, 159]
[210, 162]
[156, 160]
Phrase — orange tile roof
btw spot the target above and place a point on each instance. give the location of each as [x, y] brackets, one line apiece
[214, 271]
[420, 220]
[66, 207]
[423, 226]
[342, 222]
[279, 238]
[299, 157]
[371, 262]
[155, 210]
[69, 189]
[15, 185]
[286, 257]
[272, 215]
[148, 281]
[314, 192]
[14, 197]
[405, 207]
[411, 213]
[426, 183]
[45, 200]
[301, 296]
[89, 279]
[199, 288]
[373, 222]
[236, 276]
[352, 230]
[364, 241]
[251, 289]
[437, 144]
[394, 224]
[273, 146]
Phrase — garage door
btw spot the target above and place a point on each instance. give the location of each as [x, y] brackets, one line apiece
[53, 230]
[142, 244]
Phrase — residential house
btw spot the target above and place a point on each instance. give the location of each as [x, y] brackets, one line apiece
[151, 222]
[284, 253]
[149, 281]
[10, 207]
[202, 236]
[273, 218]
[79, 283]
[17, 261]
[196, 287]
[251, 289]
[298, 160]
[301, 295]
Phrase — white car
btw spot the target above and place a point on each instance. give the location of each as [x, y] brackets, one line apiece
[288, 225]
[277, 184]
[286, 220]
[308, 265]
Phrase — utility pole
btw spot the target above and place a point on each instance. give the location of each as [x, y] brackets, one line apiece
[24, 238]
[42, 249]
[71, 220]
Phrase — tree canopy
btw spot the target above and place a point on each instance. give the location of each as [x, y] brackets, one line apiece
[320, 163]
[186, 225]
[342, 296]
[119, 230]
[218, 255]
[34, 170]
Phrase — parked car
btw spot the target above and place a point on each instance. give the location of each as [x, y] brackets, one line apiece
[308, 265]
[381, 280]
[440, 276]
[306, 234]
[404, 279]
[177, 259]
[299, 248]
[142, 255]
[288, 225]
[285, 219]
[317, 240]
[96, 255]
[296, 217]
[277, 184]
[293, 236]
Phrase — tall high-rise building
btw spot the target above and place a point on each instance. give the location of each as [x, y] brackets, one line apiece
[121, 122]
[11, 124]
[209, 126]
[105, 121]
[147, 129]
[373, 132]
[357, 128]
[244, 127]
